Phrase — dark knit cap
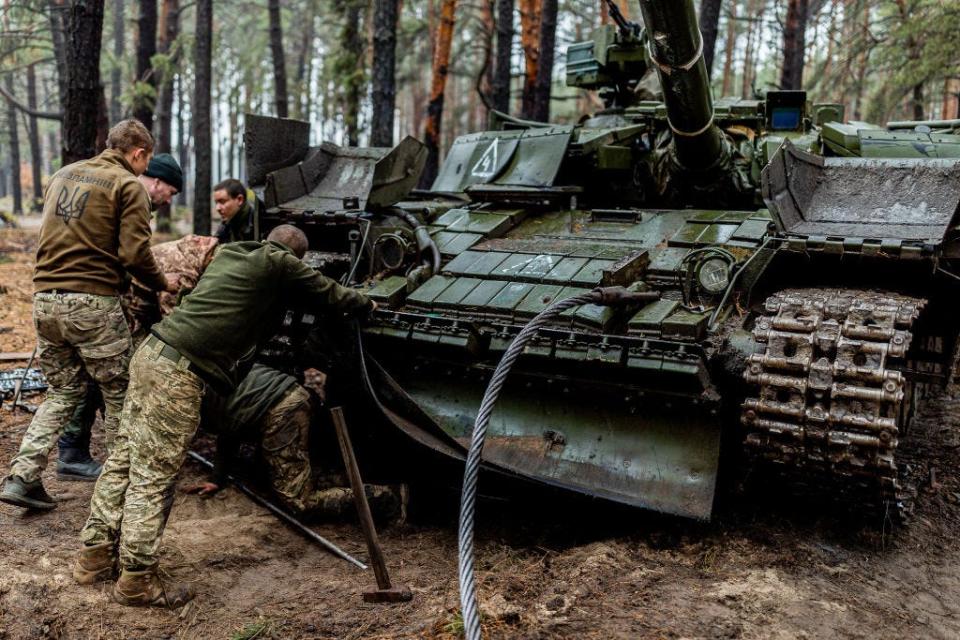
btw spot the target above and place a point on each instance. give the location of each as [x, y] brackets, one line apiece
[163, 166]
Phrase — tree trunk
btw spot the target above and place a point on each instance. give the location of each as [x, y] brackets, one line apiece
[746, 89]
[36, 154]
[918, 101]
[548, 35]
[116, 73]
[709, 22]
[301, 100]
[83, 28]
[57, 19]
[279, 64]
[183, 155]
[350, 71]
[201, 117]
[484, 82]
[169, 28]
[529, 41]
[951, 99]
[383, 77]
[441, 60]
[14, 138]
[794, 45]
[501, 72]
[145, 93]
[727, 84]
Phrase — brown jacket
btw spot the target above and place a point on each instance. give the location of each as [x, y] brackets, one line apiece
[96, 225]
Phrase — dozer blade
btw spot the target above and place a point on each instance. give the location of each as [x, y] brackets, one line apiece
[662, 457]
[867, 198]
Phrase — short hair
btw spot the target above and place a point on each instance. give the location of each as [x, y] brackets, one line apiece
[232, 186]
[128, 135]
[289, 235]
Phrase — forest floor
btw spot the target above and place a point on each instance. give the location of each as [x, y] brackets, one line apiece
[764, 568]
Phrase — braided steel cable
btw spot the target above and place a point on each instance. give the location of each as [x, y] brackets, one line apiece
[468, 588]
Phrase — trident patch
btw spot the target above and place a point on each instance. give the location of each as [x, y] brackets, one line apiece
[71, 205]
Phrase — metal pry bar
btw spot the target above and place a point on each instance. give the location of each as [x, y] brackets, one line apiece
[283, 515]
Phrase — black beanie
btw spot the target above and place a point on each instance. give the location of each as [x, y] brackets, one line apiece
[163, 166]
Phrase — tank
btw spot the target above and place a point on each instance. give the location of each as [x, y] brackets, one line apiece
[804, 267]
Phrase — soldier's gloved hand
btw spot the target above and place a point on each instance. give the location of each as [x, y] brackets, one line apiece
[203, 488]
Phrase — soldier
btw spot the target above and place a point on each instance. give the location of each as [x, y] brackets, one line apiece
[239, 211]
[96, 227]
[184, 260]
[163, 179]
[238, 302]
[272, 410]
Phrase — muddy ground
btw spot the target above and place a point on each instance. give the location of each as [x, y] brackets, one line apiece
[771, 565]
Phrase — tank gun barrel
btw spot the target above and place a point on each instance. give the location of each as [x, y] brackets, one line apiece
[676, 49]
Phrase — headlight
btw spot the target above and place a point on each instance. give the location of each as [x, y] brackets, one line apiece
[713, 276]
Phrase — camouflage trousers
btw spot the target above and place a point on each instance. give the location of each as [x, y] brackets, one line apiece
[285, 433]
[77, 430]
[132, 497]
[80, 336]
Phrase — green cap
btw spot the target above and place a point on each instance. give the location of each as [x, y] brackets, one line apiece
[163, 166]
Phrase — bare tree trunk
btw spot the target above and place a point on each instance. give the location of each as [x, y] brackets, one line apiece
[169, 28]
[548, 35]
[709, 23]
[746, 89]
[116, 73]
[727, 85]
[14, 138]
[36, 154]
[301, 101]
[501, 74]
[183, 155]
[794, 47]
[201, 117]
[918, 101]
[3, 180]
[951, 99]
[350, 67]
[146, 48]
[529, 41]
[383, 75]
[279, 63]
[441, 60]
[83, 29]
[57, 12]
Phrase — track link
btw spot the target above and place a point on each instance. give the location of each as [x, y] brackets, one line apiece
[830, 403]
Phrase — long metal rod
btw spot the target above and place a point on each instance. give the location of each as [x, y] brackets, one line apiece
[360, 497]
[283, 515]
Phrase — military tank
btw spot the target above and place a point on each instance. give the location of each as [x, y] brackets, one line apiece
[801, 270]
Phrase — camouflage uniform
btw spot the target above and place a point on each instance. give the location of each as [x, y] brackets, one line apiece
[183, 259]
[285, 446]
[160, 418]
[79, 335]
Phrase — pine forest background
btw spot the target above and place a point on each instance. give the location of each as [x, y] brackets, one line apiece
[190, 69]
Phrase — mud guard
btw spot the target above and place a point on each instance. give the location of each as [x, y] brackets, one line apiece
[658, 458]
[904, 199]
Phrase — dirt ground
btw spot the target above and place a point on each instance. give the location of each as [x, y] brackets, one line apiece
[771, 565]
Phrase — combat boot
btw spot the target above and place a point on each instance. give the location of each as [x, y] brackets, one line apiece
[144, 588]
[74, 462]
[29, 495]
[96, 563]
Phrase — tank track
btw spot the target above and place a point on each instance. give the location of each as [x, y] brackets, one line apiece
[830, 402]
